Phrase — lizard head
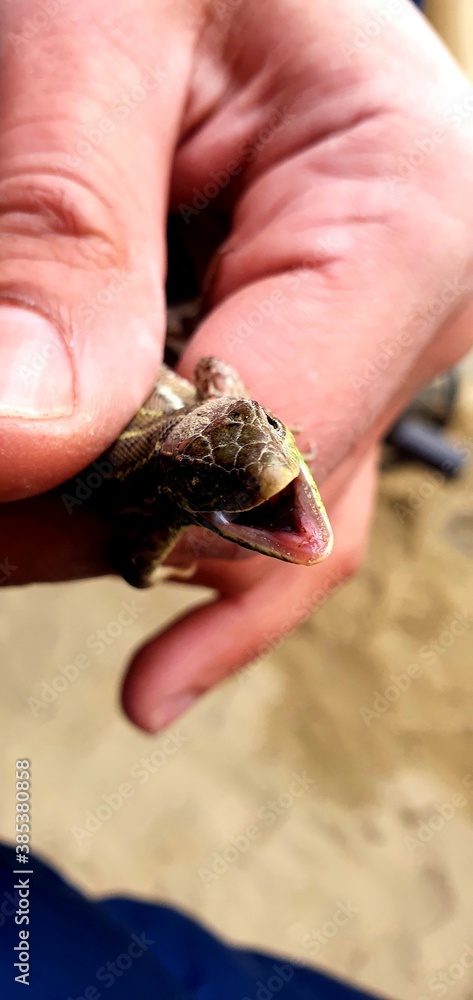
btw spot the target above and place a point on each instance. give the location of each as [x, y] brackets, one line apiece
[235, 468]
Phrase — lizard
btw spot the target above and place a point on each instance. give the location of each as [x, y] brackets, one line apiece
[207, 454]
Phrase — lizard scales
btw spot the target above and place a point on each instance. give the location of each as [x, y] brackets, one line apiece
[206, 454]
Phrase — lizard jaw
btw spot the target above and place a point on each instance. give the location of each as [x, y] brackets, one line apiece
[292, 525]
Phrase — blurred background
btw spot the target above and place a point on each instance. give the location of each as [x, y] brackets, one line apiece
[347, 752]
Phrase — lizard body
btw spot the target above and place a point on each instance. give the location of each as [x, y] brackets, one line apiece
[209, 455]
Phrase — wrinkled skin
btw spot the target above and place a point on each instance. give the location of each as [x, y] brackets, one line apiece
[350, 271]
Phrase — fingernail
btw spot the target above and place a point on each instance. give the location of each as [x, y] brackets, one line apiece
[170, 709]
[36, 378]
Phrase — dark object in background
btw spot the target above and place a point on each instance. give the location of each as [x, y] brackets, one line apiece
[416, 439]
[418, 435]
[436, 401]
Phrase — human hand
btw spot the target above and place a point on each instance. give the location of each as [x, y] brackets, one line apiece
[345, 282]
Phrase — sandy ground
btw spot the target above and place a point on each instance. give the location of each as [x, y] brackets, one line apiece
[373, 785]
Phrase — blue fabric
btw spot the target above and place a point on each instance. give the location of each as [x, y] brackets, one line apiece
[78, 949]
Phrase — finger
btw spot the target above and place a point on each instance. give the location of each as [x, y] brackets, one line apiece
[39, 544]
[92, 100]
[44, 539]
[324, 291]
[204, 646]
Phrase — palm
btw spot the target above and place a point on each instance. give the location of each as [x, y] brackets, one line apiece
[343, 283]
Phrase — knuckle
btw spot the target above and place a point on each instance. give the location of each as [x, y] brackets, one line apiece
[59, 217]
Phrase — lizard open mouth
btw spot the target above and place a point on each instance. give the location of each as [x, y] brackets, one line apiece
[292, 525]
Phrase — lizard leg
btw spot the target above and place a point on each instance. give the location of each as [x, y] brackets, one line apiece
[139, 547]
[214, 379]
[308, 456]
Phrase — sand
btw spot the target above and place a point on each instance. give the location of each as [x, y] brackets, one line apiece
[342, 799]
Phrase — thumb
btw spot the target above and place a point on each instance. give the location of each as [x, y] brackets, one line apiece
[85, 150]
